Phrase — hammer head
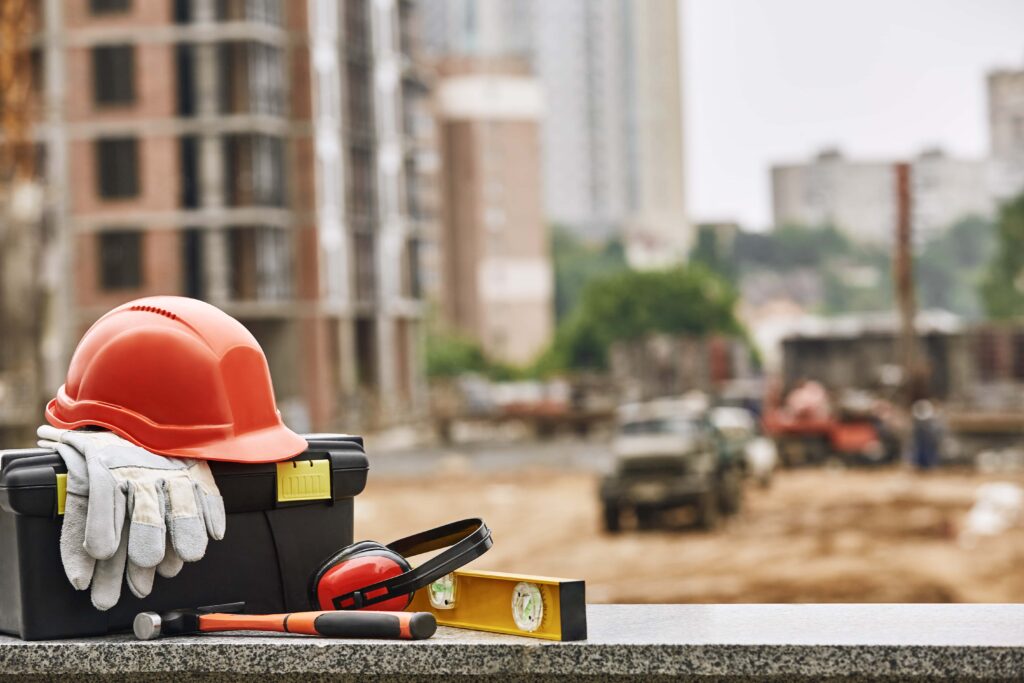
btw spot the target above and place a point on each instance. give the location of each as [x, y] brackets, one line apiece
[179, 622]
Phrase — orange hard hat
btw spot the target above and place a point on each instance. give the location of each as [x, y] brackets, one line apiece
[177, 377]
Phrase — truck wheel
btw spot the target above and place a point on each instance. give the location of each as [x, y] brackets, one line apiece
[707, 511]
[730, 492]
[646, 518]
[612, 518]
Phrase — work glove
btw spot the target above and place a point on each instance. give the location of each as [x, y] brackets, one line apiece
[130, 512]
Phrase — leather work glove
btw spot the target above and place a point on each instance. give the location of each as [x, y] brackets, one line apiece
[129, 508]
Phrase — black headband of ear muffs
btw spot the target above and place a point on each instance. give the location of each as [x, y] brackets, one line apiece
[466, 540]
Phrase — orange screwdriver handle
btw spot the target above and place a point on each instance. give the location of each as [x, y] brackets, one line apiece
[331, 624]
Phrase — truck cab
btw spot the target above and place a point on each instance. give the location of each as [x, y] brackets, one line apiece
[668, 456]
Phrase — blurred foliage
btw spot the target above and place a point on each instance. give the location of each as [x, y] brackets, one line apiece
[450, 354]
[715, 252]
[630, 304]
[1003, 287]
[790, 246]
[578, 263]
[950, 268]
[855, 277]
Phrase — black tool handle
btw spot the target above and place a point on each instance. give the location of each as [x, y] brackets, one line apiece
[347, 624]
[404, 625]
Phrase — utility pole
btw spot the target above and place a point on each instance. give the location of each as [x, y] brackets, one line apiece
[903, 276]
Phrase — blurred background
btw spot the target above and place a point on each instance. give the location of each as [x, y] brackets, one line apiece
[701, 301]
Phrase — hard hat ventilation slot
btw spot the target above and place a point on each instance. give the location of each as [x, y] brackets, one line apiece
[154, 309]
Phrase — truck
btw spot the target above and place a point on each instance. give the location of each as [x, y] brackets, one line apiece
[668, 456]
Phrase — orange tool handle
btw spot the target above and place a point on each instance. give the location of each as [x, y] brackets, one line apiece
[339, 624]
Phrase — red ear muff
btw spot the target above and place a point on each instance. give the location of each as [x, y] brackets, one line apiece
[370, 575]
[354, 567]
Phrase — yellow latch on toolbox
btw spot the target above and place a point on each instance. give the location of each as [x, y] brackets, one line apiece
[303, 480]
[62, 492]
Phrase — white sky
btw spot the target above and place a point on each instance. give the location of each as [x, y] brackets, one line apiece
[777, 80]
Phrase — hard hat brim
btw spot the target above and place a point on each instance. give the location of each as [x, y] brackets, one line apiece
[271, 444]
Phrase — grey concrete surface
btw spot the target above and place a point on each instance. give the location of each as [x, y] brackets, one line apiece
[685, 642]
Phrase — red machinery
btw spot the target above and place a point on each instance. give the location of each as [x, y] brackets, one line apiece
[807, 430]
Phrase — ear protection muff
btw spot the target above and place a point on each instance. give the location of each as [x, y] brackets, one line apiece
[370, 575]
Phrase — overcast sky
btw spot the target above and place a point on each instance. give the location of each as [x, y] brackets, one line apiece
[777, 80]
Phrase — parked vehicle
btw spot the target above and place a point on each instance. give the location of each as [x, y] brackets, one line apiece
[739, 434]
[808, 430]
[669, 456]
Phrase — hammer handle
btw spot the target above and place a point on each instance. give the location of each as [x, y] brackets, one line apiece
[340, 624]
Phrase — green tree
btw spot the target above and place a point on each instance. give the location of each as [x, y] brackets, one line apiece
[449, 355]
[790, 246]
[1003, 287]
[632, 304]
[950, 267]
[712, 252]
[577, 263]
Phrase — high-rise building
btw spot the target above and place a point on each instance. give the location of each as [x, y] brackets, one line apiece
[1006, 131]
[944, 190]
[612, 129]
[255, 154]
[497, 273]
[858, 198]
[658, 232]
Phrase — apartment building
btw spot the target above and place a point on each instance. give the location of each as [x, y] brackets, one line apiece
[612, 130]
[1006, 131]
[498, 282]
[944, 190]
[252, 153]
[858, 197]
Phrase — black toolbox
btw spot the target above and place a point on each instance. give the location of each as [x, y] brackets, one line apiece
[283, 520]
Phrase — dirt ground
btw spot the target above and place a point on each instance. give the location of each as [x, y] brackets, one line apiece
[814, 536]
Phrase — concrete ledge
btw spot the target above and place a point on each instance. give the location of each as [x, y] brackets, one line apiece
[980, 642]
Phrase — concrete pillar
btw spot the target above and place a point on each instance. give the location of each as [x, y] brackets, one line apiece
[387, 91]
[211, 160]
[59, 328]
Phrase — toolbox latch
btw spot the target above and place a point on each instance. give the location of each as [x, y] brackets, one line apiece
[299, 480]
[62, 491]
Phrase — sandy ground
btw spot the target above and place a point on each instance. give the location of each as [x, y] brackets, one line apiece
[814, 536]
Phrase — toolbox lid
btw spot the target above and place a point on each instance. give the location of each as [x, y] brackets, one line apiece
[334, 467]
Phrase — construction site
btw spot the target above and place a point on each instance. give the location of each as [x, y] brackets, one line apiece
[307, 169]
[817, 535]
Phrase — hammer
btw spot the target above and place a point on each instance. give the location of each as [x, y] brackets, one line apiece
[340, 624]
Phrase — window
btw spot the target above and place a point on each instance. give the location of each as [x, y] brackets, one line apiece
[113, 74]
[361, 183]
[108, 6]
[185, 57]
[259, 263]
[182, 11]
[251, 78]
[254, 167]
[192, 257]
[365, 266]
[37, 66]
[263, 11]
[188, 158]
[117, 162]
[366, 352]
[120, 259]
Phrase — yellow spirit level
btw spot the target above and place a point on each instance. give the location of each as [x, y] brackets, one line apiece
[521, 605]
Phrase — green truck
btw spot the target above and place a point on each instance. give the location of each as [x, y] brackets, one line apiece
[669, 456]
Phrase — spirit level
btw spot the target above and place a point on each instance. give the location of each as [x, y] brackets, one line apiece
[522, 605]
